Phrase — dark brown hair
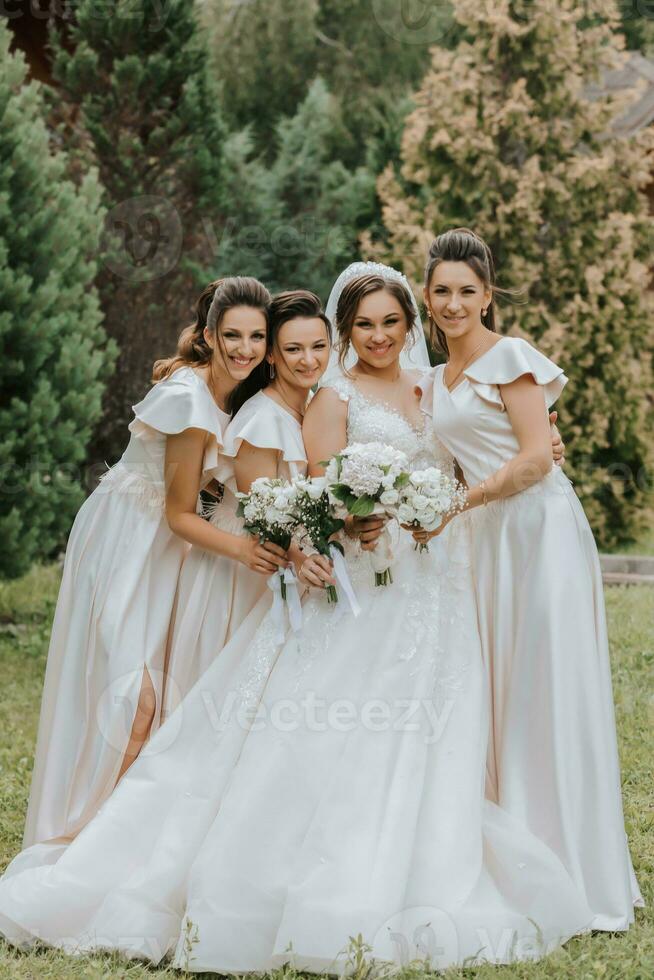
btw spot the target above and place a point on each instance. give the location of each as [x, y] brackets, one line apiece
[348, 304]
[461, 245]
[292, 304]
[213, 303]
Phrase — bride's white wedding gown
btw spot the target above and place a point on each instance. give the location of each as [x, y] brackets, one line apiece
[305, 793]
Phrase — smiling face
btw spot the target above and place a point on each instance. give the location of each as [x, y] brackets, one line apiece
[456, 297]
[241, 341]
[301, 352]
[379, 329]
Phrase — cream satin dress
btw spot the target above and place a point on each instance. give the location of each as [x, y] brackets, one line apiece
[215, 594]
[113, 612]
[553, 759]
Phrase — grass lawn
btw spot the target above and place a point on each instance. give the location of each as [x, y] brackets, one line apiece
[26, 608]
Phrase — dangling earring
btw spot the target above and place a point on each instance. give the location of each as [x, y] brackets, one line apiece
[483, 314]
[271, 371]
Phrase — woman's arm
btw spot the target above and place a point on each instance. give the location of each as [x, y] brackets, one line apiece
[523, 400]
[183, 472]
[324, 429]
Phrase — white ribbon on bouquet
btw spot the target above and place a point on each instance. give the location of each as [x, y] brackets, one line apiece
[292, 602]
[342, 577]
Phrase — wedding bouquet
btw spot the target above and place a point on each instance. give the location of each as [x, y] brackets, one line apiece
[268, 511]
[365, 479]
[426, 498]
[316, 516]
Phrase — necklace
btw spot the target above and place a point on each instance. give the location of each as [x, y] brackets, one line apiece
[449, 385]
[295, 411]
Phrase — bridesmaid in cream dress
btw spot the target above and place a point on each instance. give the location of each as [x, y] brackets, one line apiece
[553, 759]
[263, 440]
[103, 682]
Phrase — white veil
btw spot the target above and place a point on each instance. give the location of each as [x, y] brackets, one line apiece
[415, 353]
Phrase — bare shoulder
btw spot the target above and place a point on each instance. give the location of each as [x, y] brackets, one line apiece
[325, 400]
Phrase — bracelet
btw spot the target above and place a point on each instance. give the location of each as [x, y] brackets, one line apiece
[484, 494]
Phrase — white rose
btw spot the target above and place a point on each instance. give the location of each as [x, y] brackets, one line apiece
[433, 523]
[389, 498]
[405, 514]
[316, 488]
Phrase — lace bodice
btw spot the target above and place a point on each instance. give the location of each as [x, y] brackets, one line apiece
[372, 420]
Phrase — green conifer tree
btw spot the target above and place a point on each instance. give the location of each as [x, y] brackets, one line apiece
[137, 74]
[54, 359]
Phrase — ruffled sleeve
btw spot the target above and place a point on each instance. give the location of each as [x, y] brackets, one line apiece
[263, 424]
[509, 360]
[425, 388]
[181, 402]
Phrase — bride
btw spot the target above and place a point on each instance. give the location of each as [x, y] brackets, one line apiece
[330, 786]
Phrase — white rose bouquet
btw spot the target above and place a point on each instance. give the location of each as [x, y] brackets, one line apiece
[365, 479]
[427, 497]
[268, 511]
[317, 520]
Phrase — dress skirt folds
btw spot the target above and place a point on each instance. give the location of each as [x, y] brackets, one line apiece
[552, 759]
[113, 613]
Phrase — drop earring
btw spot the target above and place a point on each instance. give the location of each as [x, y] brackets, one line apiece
[271, 371]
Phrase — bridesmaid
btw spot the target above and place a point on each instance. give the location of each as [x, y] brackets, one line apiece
[553, 759]
[104, 673]
[264, 439]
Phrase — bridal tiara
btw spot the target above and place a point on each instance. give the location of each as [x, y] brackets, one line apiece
[357, 269]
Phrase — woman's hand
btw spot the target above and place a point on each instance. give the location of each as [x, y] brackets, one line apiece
[421, 536]
[558, 446]
[367, 529]
[316, 571]
[262, 558]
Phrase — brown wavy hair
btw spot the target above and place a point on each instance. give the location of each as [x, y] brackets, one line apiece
[348, 304]
[463, 245]
[216, 298]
